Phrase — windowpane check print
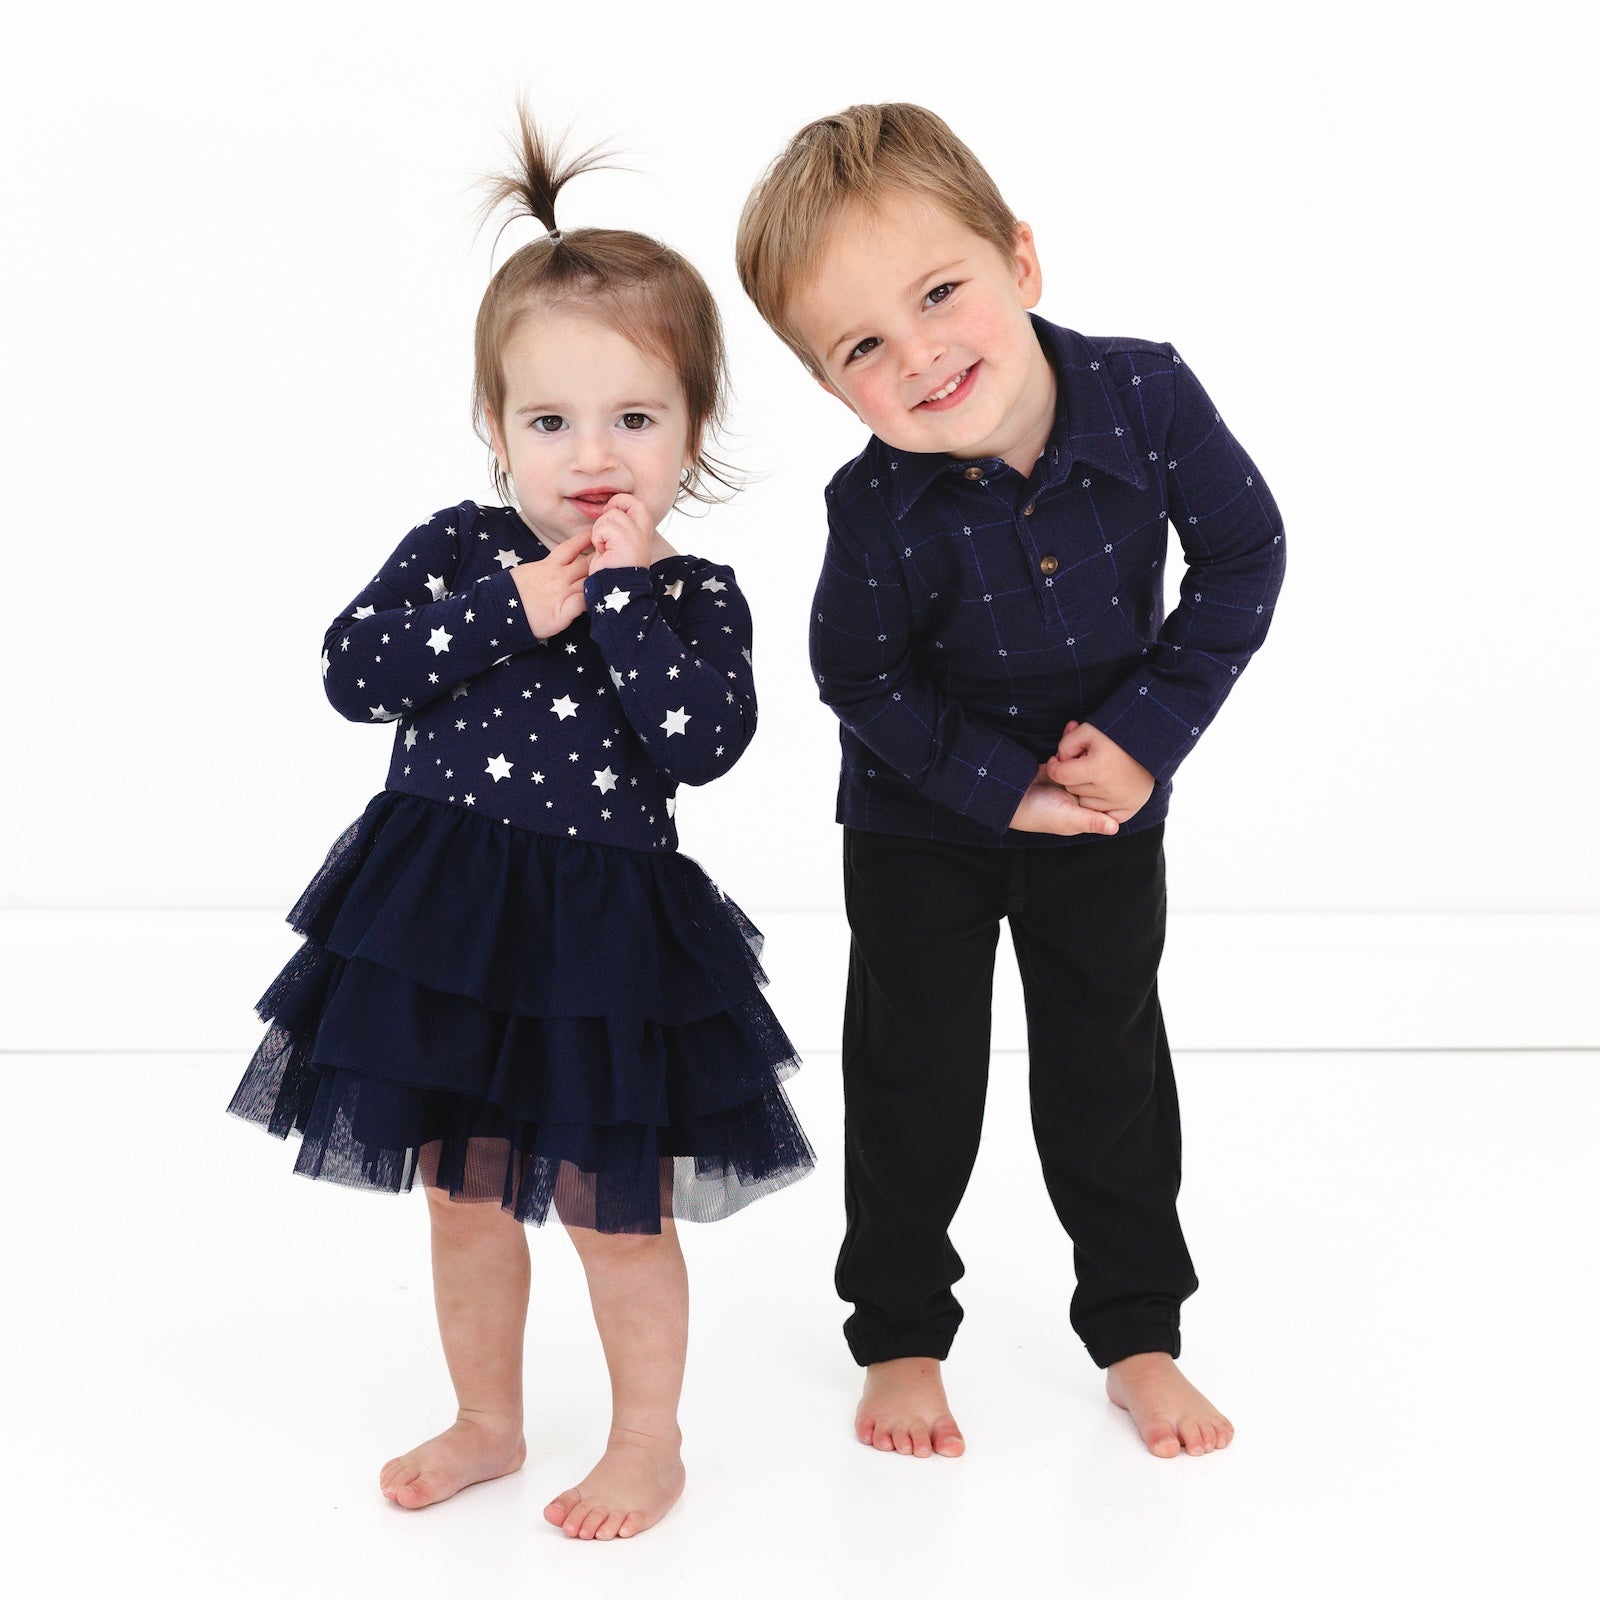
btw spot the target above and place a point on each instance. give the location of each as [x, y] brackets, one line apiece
[966, 614]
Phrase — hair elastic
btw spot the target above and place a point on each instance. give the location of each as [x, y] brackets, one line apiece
[554, 236]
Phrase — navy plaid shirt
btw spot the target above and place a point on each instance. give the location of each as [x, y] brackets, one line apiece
[965, 613]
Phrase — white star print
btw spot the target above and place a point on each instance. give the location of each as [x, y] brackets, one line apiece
[616, 677]
[411, 737]
[538, 777]
[326, 664]
[565, 707]
[675, 721]
[436, 587]
[617, 599]
[381, 714]
[458, 692]
[508, 558]
[605, 780]
[439, 641]
[674, 589]
[498, 768]
[715, 585]
[364, 611]
[672, 672]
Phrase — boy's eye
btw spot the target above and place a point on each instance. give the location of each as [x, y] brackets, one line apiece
[635, 421]
[865, 348]
[937, 296]
[547, 424]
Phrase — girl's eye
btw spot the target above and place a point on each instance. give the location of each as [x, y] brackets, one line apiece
[938, 296]
[635, 421]
[548, 424]
[865, 348]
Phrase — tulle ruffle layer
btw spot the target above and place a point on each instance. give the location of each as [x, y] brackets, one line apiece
[532, 1021]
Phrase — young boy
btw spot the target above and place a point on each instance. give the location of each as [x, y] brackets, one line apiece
[989, 629]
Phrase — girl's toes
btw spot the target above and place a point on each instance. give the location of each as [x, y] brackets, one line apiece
[630, 1525]
[561, 1508]
[593, 1522]
[608, 1528]
[921, 1444]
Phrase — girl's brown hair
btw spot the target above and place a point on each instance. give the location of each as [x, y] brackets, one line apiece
[633, 284]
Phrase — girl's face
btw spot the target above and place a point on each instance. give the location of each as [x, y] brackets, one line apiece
[587, 416]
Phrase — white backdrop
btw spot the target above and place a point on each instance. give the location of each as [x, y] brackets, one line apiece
[239, 280]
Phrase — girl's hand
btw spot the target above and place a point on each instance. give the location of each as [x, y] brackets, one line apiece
[551, 590]
[623, 535]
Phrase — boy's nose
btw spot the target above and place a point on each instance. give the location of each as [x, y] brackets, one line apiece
[919, 359]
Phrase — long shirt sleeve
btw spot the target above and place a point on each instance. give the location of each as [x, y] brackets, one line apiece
[1232, 537]
[418, 629]
[685, 684]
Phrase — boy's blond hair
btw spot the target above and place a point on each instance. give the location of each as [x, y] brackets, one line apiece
[856, 157]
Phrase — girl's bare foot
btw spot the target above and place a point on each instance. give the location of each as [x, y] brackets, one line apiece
[1170, 1413]
[632, 1487]
[469, 1451]
[903, 1409]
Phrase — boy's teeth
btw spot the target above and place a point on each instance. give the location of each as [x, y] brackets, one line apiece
[950, 388]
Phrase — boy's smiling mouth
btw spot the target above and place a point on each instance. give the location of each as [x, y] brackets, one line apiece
[949, 393]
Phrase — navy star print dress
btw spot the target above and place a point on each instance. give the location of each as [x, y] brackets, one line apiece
[512, 986]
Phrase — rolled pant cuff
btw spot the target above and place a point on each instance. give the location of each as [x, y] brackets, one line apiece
[1116, 1341]
[893, 1344]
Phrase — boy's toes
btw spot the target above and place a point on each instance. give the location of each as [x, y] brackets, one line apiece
[947, 1440]
[1163, 1440]
[921, 1441]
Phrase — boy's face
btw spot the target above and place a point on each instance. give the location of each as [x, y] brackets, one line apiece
[921, 327]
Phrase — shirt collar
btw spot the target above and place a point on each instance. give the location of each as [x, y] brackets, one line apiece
[1091, 427]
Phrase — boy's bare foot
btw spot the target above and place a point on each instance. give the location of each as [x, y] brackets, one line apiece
[1170, 1413]
[903, 1409]
[632, 1487]
[469, 1451]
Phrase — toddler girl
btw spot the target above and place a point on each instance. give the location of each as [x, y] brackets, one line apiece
[512, 986]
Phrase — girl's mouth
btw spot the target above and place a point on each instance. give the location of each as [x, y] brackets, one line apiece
[592, 501]
[952, 394]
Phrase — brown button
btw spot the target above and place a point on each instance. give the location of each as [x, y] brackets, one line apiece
[973, 472]
[1048, 565]
[1027, 510]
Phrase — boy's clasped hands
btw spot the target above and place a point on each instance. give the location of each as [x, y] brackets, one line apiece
[1090, 785]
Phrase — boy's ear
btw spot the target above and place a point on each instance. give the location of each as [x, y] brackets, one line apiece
[1025, 265]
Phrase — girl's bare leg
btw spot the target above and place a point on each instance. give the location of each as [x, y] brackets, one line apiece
[480, 1290]
[639, 1289]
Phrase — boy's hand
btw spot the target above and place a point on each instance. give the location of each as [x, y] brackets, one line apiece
[623, 534]
[1048, 808]
[551, 590]
[1099, 773]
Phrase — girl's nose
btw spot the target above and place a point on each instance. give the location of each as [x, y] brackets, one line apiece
[591, 450]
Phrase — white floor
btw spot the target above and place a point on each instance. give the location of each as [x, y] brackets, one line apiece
[208, 1358]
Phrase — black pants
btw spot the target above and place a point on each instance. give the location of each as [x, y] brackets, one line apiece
[1088, 923]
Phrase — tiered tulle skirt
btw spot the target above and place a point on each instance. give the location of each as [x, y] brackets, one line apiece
[540, 1022]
